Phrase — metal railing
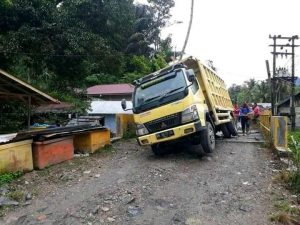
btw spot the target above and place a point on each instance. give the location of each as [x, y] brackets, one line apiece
[265, 124]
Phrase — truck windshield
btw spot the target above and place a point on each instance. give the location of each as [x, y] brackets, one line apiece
[159, 89]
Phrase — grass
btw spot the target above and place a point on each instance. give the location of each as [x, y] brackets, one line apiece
[9, 177]
[130, 132]
[283, 176]
[285, 213]
[16, 195]
[294, 145]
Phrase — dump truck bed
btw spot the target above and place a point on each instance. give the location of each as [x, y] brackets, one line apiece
[214, 90]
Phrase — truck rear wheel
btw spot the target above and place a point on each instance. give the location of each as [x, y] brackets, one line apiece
[208, 141]
[225, 131]
[231, 128]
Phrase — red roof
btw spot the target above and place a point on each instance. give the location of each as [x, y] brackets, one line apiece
[110, 89]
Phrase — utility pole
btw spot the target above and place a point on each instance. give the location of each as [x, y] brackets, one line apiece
[189, 30]
[270, 84]
[276, 53]
[293, 113]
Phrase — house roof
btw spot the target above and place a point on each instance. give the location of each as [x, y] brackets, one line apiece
[108, 107]
[110, 89]
[63, 107]
[12, 88]
[286, 100]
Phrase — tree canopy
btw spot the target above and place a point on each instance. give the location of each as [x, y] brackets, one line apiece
[250, 91]
[65, 45]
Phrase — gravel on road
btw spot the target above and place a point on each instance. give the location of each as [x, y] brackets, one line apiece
[128, 185]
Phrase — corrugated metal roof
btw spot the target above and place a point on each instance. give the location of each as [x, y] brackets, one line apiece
[62, 107]
[109, 107]
[16, 89]
[110, 89]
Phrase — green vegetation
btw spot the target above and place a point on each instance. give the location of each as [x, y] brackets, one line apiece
[62, 47]
[285, 213]
[251, 91]
[9, 177]
[294, 145]
[130, 131]
[16, 195]
[259, 91]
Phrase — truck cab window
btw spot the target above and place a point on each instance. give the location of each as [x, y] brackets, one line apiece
[195, 87]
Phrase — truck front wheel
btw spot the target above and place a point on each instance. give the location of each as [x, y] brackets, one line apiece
[159, 150]
[208, 141]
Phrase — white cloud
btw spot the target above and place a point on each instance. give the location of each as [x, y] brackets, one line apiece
[235, 34]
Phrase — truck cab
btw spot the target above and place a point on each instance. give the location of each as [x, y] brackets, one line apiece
[171, 105]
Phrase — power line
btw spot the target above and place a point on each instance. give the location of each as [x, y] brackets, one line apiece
[291, 44]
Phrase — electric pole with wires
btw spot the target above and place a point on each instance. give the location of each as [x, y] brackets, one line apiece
[291, 52]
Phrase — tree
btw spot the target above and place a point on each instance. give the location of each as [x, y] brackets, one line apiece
[65, 45]
[251, 91]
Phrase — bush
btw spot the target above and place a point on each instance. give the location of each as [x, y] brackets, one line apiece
[294, 145]
[9, 177]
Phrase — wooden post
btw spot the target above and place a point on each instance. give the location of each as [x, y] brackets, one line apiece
[29, 112]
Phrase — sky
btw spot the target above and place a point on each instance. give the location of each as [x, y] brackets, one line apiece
[234, 34]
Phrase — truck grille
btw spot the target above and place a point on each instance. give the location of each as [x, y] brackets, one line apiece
[164, 123]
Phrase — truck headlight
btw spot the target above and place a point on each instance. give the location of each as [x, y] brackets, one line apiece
[189, 114]
[141, 130]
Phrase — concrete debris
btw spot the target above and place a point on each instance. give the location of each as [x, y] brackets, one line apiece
[133, 211]
[105, 209]
[7, 202]
[81, 155]
[87, 172]
[95, 210]
[111, 219]
[28, 196]
[3, 190]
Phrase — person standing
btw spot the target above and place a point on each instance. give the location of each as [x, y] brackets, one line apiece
[236, 114]
[256, 112]
[244, 111]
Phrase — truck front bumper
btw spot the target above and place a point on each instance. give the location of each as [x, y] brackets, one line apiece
[170, 134]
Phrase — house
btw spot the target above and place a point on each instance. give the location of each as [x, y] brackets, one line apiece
[111, 92]
[115, 118]
[284, 108]
[264, 105]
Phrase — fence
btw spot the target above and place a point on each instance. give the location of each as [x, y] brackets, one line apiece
[265, 124]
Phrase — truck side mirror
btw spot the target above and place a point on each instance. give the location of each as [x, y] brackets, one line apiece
[191, 75]
[123, 104]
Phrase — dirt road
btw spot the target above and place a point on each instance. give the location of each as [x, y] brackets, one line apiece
[131, 186]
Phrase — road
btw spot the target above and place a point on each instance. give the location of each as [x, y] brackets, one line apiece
[127, 184]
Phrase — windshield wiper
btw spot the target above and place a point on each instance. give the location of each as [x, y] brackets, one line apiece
[152, 98]
[169, 92]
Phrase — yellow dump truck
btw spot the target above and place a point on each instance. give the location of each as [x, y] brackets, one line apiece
[184, 102]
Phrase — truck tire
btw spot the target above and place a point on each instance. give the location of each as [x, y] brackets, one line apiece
[225, 131]
[159, 150]
[231, 128]
[208, 141]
